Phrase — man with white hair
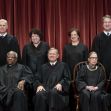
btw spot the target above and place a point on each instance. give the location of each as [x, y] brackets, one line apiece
[7, 42]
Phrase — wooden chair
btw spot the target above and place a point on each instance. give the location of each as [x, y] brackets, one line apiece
[76, 94]
[75, 72]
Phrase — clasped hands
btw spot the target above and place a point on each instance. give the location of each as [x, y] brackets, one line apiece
[41, 88]
[91, 88]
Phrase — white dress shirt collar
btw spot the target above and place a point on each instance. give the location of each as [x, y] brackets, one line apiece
[53, 63]
[107, 32]
[3, 35]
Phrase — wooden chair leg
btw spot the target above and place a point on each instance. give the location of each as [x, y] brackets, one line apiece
[77, 104]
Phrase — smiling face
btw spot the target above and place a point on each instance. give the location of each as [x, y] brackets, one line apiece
[53, 55]
[35, 39]
[74, 36]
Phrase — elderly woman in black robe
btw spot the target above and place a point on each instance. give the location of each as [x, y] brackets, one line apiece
[13, 77]
[90, 84]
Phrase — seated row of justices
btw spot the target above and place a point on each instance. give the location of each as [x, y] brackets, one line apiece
[51, 84]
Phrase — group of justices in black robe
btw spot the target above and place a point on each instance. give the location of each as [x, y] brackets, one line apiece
[13, 78]
[90, 82]
[34, 54]
[52, 85]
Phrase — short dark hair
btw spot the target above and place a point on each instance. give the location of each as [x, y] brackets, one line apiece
[36, 31]
[74, 29]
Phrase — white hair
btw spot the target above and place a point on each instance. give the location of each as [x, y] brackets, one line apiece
[13, 52]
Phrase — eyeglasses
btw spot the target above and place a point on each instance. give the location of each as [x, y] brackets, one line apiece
[93, 58]
[11, 57]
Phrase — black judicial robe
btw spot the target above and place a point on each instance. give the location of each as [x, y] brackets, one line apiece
[34, 57]
[74, 54]
[49, 76]
[102, 45]
[8, 43]
[9, 78]
[90, 101]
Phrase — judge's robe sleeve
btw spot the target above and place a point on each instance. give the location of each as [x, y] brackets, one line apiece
[27, 74]
[102, 79]
[85, 54]
[14, 46]
[80, 79]
[65, 81]
[3, 90]
[96, 46]
[38, 79]
[24, 56]
[64, 55]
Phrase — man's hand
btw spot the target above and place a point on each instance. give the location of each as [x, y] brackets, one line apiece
[95, 88]
[58, 87]
[40, 88]
[21, 84]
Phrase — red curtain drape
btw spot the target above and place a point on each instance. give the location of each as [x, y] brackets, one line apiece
[54, 18]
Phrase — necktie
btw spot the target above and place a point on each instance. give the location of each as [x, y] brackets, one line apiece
[108, 34]
[52, 64]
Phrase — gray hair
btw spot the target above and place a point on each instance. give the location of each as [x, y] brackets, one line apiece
[53, 48]
[13, 52]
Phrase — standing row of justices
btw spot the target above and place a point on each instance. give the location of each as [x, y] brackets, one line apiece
[72, 53]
